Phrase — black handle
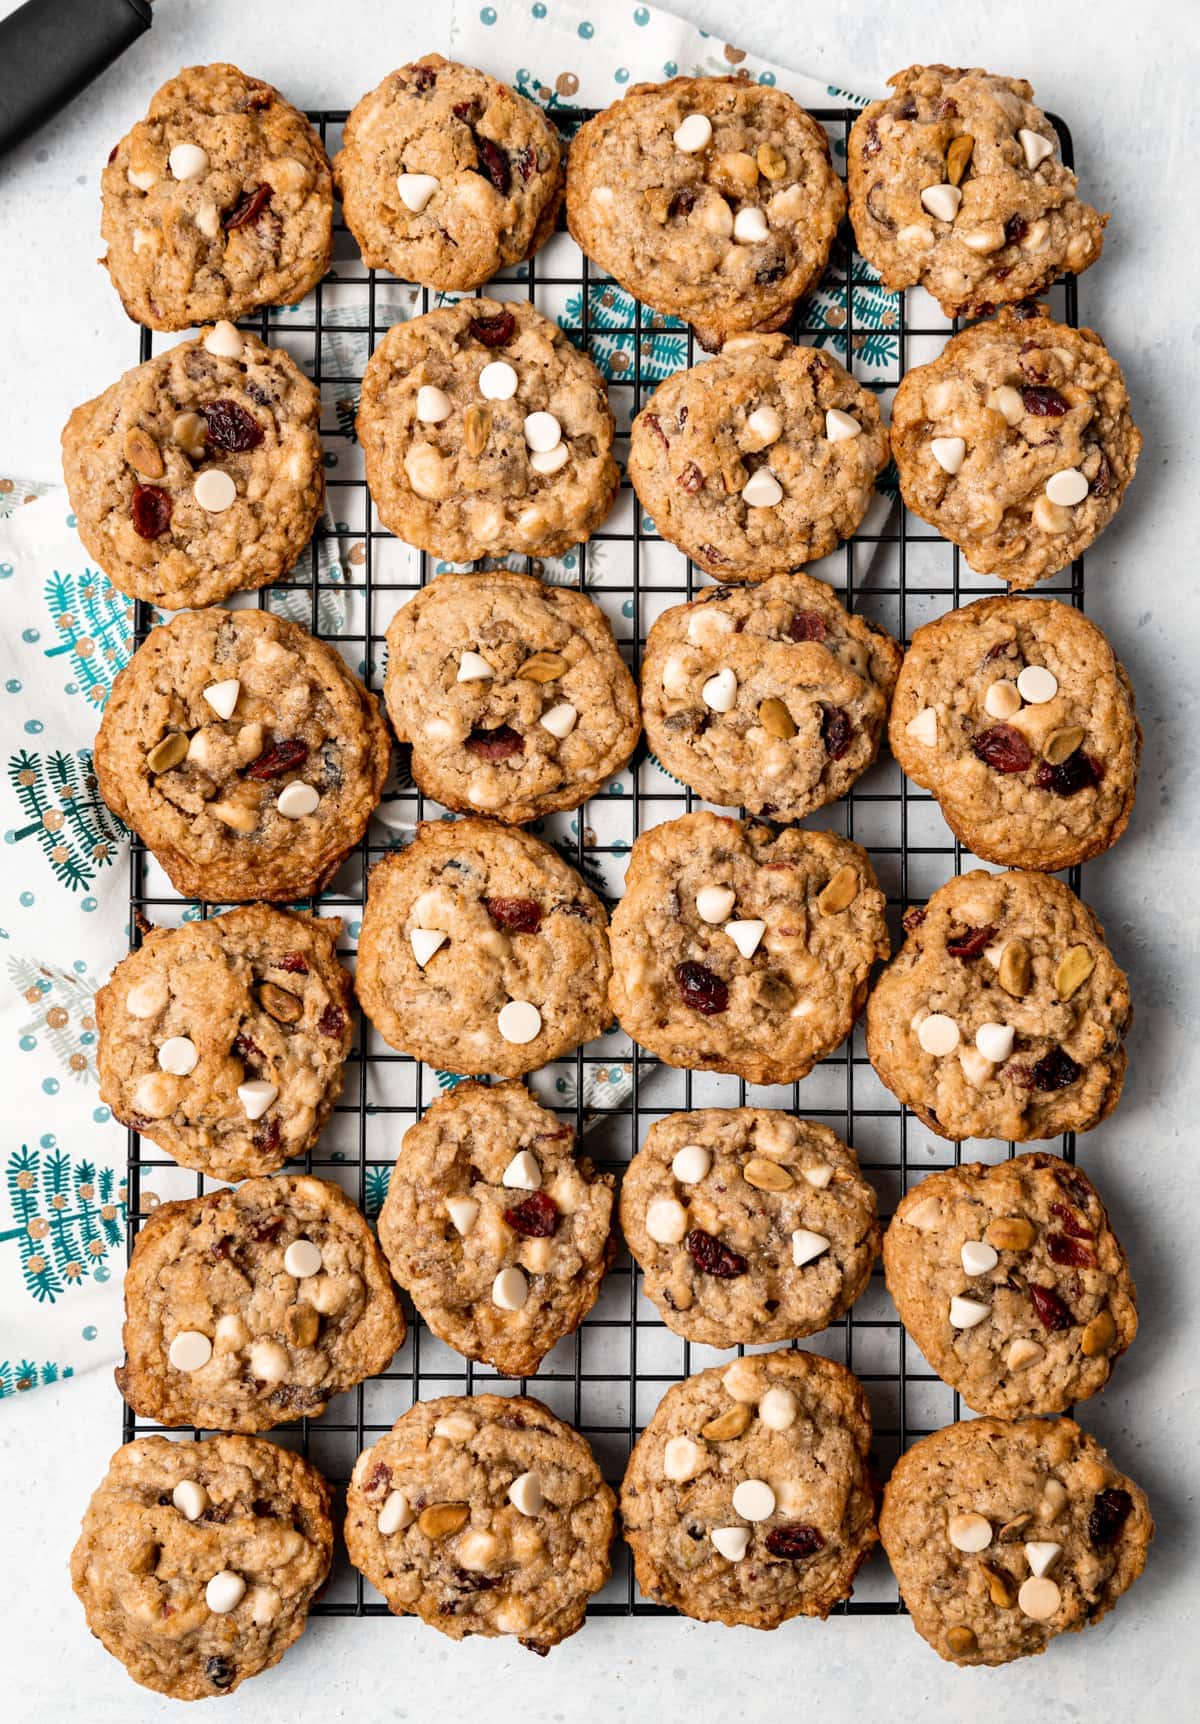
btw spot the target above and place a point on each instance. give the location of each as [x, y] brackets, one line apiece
[50, 50]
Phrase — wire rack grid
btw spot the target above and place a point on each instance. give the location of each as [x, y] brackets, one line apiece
[607, 1378]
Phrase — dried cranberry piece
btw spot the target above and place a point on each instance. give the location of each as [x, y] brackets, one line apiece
[380, 1479]
[691, 479]
[220, 1671]
[1003, 749]
[267, 1136]
[700, 989]
[495, 164]
[499, 744]
[1015, 229]
[517, 915]
[807, 626]
[872, 146]
[1077, 772]
[837, 730]
[1026, 311]
[1043, 403]
[713, 555]
[708, 1253]
[332, 1021]
[1075, 1187]
[465, 110]
[683, 203]
[539, 1647]
[281, 757]
[769, 272]
[295, 963]
[493, 331]
[945, 108]
[970, 944]
[653, 424]
[1050, 1308]
[1069, 1252]
[295, 1398]
[1110, 1510]
[245, 1049]
[266, 1229]
[424, 78]
[151, 511]
[907, 109]
[248, 208]
[220, 1247]
[1100, 484]
[913, 918]
[1055, 1070]
[217, 1514]
[1070, 1222]
[535, 1218]
[526, 162]
[466, 1581]
[794, 1540]
[231, 427]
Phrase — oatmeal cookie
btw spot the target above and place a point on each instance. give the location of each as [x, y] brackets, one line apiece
[248, 1308]
[197, 1562]
[243, 753]
[1004, 1534]
[772, 697]
[486, 433]
[1019, 717]
[497, 1230]
[218, 202]
[748, 1225]
[760, 459]
[447, 176]
[954, 186]
[1016, 443]
[482, 951]
[736, 949]
[225, 1041]
[1004, 1015]
[749, 1497]
[199, 472]
[512, 693]
[1011, 1282]
[483, 1514]
[710, 199]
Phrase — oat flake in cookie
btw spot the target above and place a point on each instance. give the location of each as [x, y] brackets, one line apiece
[1005, 1534]
[748, 1498]
[1004, 1015]
[760, 459]
[248, 1308]
[1011, 1282]
[710, 199]
[447, 176]
[218, 202]
[486, 433]
[197, 1561]
[772, 697]
[1020, 718]
[482, 1514]
[749, 1225]
[737, 949]
[244, 753]
[955, 186]
[199, 472]
[225, 1041]
[1016, 443]
[482, 951]
[512, 693]
[498, 1231]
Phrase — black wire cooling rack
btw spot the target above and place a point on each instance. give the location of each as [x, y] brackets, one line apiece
[608, 1377]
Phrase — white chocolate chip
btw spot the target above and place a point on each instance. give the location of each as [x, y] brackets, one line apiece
[190, 1498]
[995, 1042]
[1022, 1354]
[715, 216]
[840, 427]
[806, 1246]
[949, 453]
[666, 1221]
[415, 190]
[682, 1459]
[525, 1494]
[1042, 1555]
[560, 720]
[463, 1212]
[750, 226]
[142, 180]
[542, 432]
[754, 1499]
[941, 201]
[1054, 1500]
[214, 490]
[969, 1532]
[1050, 517]
[713, 903]
[519, 1022]
[766, 425]
[302, 1259]
[433, 404]
[522, 1172]
[265, 1604]
[498, 381]
[1035, 146]
[223, 696]
[603, 197]
[923, 728]
[691, 1163]
[208, 220]
[231, 1332]
[256, 1097]
[746, 936]
[938, 1034]
[1039, 1598]
[473, 667]
[224, 1592]
[762, 489]
[818, 1174]
[268, 1363]
[178, 1056]
[975, 1068]
[190, 1350]
[741, 1380]
[924, 1216]
[510, 1289]
[966, 1313]
[692, 134]
[1002, 699]
[978, 1257]
[989, 237]
[1035, 236]
[1008, 403]
[1067, 487]
[1037, 685]
[297, 799]
[916, 236]
[425, 942]
[777, 1409]
[731, 1541]
[224, 341]
[549, 460]
[147, 998]
[188, 161]
[455, 1427]
[720, 691]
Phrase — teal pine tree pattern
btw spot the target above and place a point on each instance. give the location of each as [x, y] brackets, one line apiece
[876, 321]
[94, 623]
[61, 802]
[548, 95]
[612, 338]
[375, 1189]
[66, 1218]
[18, 1375]
[63, 1015]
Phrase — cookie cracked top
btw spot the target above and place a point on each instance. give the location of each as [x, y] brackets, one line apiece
[1005, 1534]
[447, 176]
[483, 1514]
[248, 1308]
[485, 433]
[199, 472]
[1016, 443]
[760, 459]
[1004, 1015]
[244, 753]
[218, 202]
[773, 697]
[499, 1232]
[1019, 717]
[738, 949]
[224, 1041]
[955, 186]
[1012, 1283]
[710, 199]
[513, 694]
[482, 951]
[749, 1225]
[748, 1498]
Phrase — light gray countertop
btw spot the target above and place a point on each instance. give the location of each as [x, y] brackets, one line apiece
[1124, 76]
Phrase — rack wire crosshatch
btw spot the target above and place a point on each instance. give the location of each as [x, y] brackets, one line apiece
[607, 1378]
